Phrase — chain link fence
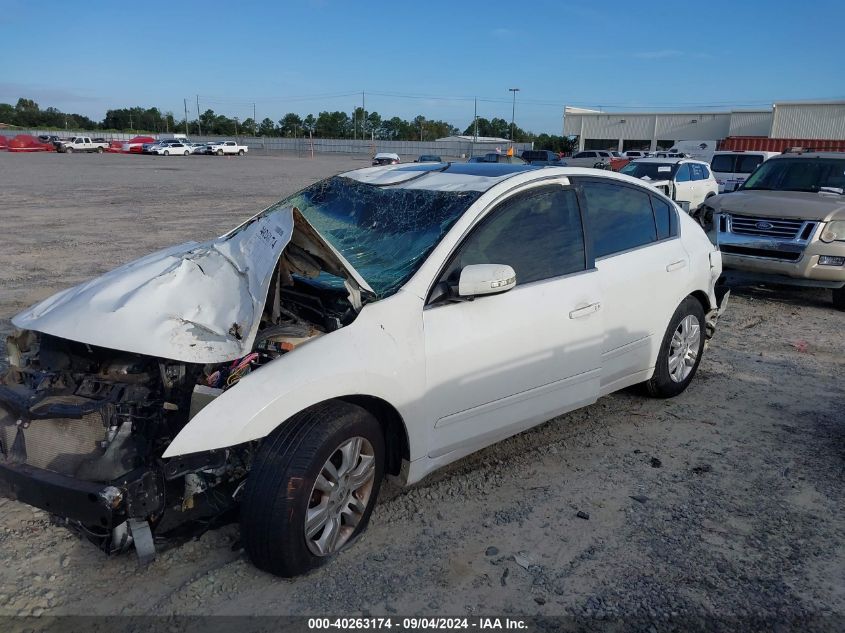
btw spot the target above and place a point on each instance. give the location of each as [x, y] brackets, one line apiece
[304, 145]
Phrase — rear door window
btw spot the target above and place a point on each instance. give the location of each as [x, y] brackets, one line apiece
[621, 217]
[747, 164]
[724, 163]
[697, 171]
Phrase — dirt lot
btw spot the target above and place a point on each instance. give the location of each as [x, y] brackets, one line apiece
[725, 502]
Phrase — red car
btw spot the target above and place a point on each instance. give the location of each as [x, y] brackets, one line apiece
[133, 145]
[28, 143]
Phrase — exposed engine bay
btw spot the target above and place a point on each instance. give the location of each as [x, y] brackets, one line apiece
[83, 428]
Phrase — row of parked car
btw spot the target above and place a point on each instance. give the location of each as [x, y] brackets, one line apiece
[177, 145]
[181, 146]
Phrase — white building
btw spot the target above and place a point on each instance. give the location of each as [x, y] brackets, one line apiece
[651, 131]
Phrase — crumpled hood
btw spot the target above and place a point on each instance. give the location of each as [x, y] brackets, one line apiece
[195, 302]
[799, 205]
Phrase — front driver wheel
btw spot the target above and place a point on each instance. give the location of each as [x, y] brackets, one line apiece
[312, 488]
[680, 352]
[166, 153]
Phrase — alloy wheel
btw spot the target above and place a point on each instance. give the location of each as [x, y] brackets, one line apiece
[683, 349]
[340, 496]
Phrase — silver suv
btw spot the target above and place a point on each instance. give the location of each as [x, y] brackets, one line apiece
[786, 224]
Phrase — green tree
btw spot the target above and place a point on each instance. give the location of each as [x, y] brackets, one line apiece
[290, 124]
[267, 127]
[27, 112]
[333, 125]
[7, 114]
[207, 120]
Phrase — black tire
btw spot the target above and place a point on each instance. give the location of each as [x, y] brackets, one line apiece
[186, 153]
[166, 153]
[281, 483]
[69, 150]
[661, 384]
[240, 152]
[838, 296]
[99, 150]
[220, 152]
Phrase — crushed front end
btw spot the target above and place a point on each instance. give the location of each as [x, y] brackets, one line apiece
[82, 430]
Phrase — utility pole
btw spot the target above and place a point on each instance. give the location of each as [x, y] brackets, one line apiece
[185, 102]
[363, 117]
[475, 118]
[199, 125]
[254, 122]
[236, 127]
[513, 111]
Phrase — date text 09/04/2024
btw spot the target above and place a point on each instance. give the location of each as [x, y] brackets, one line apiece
[410, 624]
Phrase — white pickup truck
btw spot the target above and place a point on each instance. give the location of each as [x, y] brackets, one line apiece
[226, 147]
[81, 144]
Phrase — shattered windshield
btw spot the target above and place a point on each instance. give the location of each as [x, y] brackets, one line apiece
[385, 233]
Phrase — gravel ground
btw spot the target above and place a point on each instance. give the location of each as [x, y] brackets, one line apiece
[725, 502]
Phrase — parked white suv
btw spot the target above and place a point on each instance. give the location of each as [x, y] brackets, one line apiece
[731, 168]
[386, 321]
[688, 182]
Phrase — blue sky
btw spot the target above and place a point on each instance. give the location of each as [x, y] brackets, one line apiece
[412, 58]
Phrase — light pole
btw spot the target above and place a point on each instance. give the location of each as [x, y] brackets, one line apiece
[513, 111]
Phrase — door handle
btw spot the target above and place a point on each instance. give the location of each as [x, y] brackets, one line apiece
[585, 311]
[681, 263]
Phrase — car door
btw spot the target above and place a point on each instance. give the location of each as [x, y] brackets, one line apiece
[699, 185]
[684, 187]
[501, 363]
[637, 253]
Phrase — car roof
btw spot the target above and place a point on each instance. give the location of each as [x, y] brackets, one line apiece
[671, 160]
[469, 176]
[840, 155]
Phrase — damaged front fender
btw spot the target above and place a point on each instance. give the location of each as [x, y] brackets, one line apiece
[199, 303]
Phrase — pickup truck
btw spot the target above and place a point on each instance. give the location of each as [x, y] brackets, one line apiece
[226, 147]
[81, 144]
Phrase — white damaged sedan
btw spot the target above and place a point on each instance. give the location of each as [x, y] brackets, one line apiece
[382, 322]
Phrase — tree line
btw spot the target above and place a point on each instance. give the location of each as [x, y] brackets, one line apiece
[337, 124]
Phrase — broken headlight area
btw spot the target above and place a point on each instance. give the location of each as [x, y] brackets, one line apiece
[83, 428]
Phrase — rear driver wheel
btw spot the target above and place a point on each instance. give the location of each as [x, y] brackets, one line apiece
[680, 352]
[312, 488]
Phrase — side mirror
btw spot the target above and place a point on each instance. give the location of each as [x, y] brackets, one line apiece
[485, 279]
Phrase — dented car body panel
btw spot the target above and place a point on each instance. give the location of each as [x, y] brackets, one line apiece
[194, 302]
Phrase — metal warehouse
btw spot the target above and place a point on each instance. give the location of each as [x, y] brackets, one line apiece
[653, 131]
